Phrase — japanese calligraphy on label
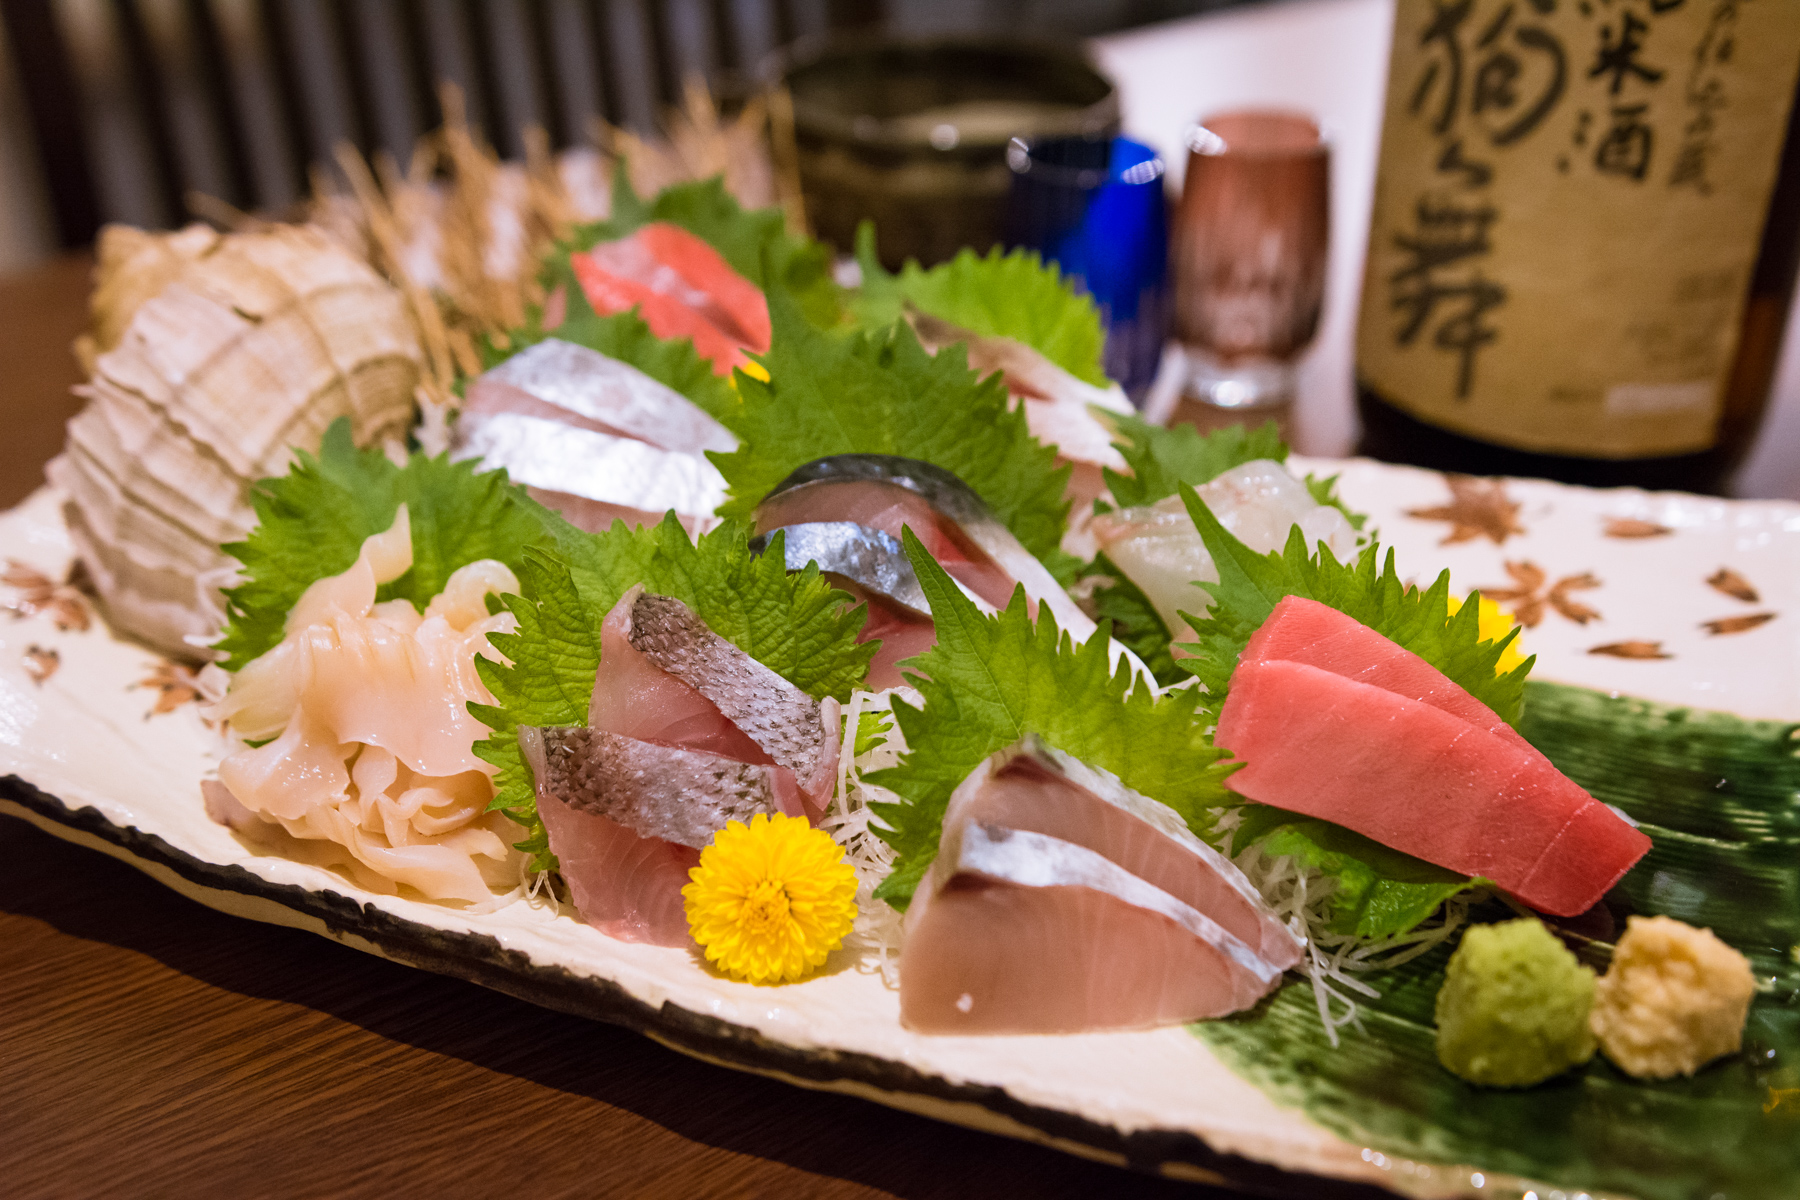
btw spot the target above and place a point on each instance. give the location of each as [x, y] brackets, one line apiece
[1570, 201]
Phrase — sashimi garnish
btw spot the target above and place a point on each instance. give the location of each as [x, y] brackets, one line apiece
[1011, 294]
[882, 393]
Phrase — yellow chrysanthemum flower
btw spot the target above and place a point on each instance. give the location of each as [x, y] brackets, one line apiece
[753, 369]
[1495, 623]
[770, 899]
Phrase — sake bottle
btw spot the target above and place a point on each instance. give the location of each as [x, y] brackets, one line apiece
[1584, 240]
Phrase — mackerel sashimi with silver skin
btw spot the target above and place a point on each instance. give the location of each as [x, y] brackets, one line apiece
[888, 493]
[594, 438]
[871, 566]
[685, 732]
[1062, 902]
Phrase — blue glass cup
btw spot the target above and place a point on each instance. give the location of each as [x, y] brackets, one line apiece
[1095, 207]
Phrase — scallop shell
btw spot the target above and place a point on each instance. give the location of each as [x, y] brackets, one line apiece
[212, 357]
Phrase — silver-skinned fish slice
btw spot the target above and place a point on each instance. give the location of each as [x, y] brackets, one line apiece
[1019, 932]
[583, 388]
[795, 730]
[665, 792]
[872, 567]
[594, 478]
[1034, 787]
[865, 556]
[953, 522]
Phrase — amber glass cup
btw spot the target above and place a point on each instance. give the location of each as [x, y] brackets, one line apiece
[1250, 242]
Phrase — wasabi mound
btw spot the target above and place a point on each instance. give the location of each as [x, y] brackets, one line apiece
[1514, 1007]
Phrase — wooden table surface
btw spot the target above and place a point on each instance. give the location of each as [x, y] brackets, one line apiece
[153, 1047]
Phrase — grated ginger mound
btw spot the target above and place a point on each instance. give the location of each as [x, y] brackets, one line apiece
[1675, 999]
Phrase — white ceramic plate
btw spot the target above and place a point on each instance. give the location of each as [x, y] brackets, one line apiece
[82, 757]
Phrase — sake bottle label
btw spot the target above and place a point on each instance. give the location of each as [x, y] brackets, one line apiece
[1570, 203]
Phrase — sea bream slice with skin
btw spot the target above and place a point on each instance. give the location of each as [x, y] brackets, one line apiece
[1019, 932]
[594, 438]
[872, 567]
[1036, 788]
[685, 732]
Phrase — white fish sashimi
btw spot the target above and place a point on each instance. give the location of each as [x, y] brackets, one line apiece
[1159, 550]
[622, 476]
[1060, 409]
[559, 380]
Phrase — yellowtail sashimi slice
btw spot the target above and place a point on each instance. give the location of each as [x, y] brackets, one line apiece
[1018, 932]
[1036, 788]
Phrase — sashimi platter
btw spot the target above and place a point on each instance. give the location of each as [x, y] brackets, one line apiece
[825, 672]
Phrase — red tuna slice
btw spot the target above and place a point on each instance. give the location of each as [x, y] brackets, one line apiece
[1036, 788]
[891, 508]
[1424, 781]
[1016, 932]
[626, 886]
[1305, 631]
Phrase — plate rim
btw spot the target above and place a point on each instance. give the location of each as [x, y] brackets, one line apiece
[1169, 1152]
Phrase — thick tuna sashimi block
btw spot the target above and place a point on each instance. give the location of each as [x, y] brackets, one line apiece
[1352, 728]
[1305, 631]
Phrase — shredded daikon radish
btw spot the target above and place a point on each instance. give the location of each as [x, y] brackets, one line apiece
[1300, 898]
[854, 826]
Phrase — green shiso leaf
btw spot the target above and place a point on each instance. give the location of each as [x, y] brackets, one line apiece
[1716, 794]
[311, 522]
[1380, 891]
[989, 680]
[755, 242]
[795, 624]
[882, 393]
[1011, 294]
